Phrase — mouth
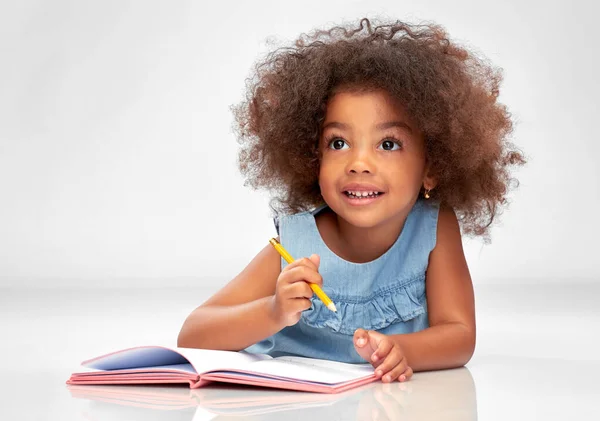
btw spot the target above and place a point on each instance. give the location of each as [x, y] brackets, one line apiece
[361, 198]
[360, 195]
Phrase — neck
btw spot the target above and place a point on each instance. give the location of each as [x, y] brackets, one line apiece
[361, 245]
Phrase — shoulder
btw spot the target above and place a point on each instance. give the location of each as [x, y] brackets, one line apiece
[448, 229]
[448, 248]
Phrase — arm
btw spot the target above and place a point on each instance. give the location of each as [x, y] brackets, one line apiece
[450, 339]
[241, 313]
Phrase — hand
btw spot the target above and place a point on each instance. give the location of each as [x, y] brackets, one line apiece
[385, 355]
[292, 291]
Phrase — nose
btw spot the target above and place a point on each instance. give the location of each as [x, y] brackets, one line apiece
[360, 162]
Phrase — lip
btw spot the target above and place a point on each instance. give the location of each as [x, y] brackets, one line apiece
[361, 187]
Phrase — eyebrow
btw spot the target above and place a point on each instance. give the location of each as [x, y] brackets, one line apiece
[380, 126]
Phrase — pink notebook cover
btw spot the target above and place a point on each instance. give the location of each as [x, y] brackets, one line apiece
[197, 367]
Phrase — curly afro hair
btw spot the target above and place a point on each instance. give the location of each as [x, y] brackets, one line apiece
[449, 92]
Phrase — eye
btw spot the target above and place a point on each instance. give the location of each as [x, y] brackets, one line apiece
[337, 143]
[391, 145]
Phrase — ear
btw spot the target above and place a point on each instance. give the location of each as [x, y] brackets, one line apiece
[429, 179]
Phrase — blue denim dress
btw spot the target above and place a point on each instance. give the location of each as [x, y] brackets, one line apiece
[386, 295]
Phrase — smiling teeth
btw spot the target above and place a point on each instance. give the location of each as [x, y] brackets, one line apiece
[362, 194]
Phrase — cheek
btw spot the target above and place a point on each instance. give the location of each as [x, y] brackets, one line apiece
[327, 170]
[328, 176]
[325, 177]
[405, 172]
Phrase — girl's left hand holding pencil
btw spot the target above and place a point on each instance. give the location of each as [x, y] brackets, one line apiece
[386, 356]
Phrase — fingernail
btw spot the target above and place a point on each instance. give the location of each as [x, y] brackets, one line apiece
[387, 378]
[402, 378]
[378, 373]
[361, 341]
[374, 357]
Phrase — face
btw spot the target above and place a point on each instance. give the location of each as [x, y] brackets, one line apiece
[373, 159]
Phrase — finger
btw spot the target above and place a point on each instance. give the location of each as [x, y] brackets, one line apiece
[395, 372]
[360, 337]
[301, 304]
[406, 375]
[394, 359]
[302, 273]
[299, 290]
[304, 261]
[383, 349]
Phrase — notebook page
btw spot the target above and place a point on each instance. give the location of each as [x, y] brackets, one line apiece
[185, 368]
[205, 360]
[138, 357]
[155, 356]
[312, 370]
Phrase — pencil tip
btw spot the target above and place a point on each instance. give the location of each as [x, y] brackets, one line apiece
[332, 307]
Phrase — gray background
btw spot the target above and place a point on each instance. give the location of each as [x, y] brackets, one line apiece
[117, 160]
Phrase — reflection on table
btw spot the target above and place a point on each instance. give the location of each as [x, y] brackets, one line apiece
[435, 395]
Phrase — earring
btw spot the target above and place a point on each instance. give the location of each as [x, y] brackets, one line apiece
[426, 194]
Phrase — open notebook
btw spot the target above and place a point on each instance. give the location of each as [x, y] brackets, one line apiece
[197, 367]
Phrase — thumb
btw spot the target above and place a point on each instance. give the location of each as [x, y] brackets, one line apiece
[361, 337]
[315, 259]
[375, 338]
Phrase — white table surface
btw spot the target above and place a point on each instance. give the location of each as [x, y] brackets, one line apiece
[537, 357]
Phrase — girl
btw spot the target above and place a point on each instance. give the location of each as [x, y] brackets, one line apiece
[378, 141]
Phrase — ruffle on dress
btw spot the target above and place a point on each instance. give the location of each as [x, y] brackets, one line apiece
[401, 301]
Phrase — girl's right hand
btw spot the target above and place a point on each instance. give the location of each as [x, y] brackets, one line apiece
[292, 291]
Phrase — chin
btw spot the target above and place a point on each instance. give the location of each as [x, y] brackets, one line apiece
[363, 222]
[361, 218]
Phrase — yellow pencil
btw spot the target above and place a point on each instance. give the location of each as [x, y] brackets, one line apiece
[317, 290]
